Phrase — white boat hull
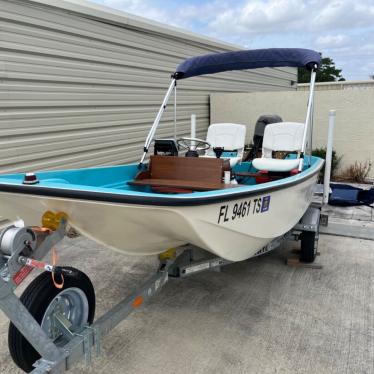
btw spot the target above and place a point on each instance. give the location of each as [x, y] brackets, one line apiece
[234, 230]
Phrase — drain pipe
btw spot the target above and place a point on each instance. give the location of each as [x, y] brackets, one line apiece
[328, 160]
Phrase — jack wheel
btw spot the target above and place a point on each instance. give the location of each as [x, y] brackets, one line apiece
[75, 301]
[308, 250]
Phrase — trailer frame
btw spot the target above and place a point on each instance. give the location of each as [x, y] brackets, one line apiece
[18, 243]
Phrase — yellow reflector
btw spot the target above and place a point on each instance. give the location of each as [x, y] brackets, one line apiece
[53, 220]
[167, 255]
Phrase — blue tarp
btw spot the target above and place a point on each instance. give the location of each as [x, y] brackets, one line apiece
[347, 195]
[252, 59]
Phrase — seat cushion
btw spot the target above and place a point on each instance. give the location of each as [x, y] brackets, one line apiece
[273, 164]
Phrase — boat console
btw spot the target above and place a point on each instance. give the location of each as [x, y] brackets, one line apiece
[168, 174]
[166, 147]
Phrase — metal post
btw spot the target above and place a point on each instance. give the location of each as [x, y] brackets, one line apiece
[156, 122]
[330, 137]
[308, 115]
[193, 128]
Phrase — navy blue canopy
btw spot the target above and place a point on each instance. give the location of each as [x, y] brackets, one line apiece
[252, 59]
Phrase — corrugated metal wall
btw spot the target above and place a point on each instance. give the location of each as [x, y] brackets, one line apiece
[80, 90]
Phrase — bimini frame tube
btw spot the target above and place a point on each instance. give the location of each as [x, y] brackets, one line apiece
[309, 117]
[156, 122]
[175, 111]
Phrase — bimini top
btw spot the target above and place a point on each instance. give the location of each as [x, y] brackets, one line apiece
[252, 59]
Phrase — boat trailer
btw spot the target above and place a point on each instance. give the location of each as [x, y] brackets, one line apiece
[63, 336]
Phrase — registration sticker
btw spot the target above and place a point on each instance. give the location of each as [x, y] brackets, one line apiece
[265, 203]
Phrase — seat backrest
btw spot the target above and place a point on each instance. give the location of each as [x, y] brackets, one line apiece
[230, 136]
[282, 136]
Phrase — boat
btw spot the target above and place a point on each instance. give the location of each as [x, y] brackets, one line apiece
[190, 190]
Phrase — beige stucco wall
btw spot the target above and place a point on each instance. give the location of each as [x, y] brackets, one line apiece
[354, 131]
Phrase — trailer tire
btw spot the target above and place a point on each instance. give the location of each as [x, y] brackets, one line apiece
[36, 298]
[308, 250]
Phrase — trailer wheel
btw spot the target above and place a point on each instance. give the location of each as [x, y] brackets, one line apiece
[308, 250]
[76, 301]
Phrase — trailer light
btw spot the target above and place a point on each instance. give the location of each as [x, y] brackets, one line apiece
[30, 178]
[168, 255]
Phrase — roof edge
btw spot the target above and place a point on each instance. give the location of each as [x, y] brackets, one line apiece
[365, 81]
[121, 18]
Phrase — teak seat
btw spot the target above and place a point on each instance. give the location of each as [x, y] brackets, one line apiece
[185, 173]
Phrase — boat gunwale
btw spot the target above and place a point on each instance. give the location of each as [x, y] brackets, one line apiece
[190, 200]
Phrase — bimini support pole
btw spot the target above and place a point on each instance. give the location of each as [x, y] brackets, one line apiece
[156, 122]
[175, 111]
[308, 117]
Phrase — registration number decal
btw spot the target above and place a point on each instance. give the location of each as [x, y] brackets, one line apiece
[243, 209]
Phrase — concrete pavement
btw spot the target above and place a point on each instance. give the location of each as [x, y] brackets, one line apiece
[258, 316]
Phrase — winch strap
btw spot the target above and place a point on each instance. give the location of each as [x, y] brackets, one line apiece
[54, 264]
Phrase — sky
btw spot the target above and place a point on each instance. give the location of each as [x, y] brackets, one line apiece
[340, 29]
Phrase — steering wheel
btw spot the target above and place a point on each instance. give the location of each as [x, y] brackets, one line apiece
[187, 143]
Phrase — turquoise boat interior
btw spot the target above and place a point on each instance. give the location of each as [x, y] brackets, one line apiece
[117, 180]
